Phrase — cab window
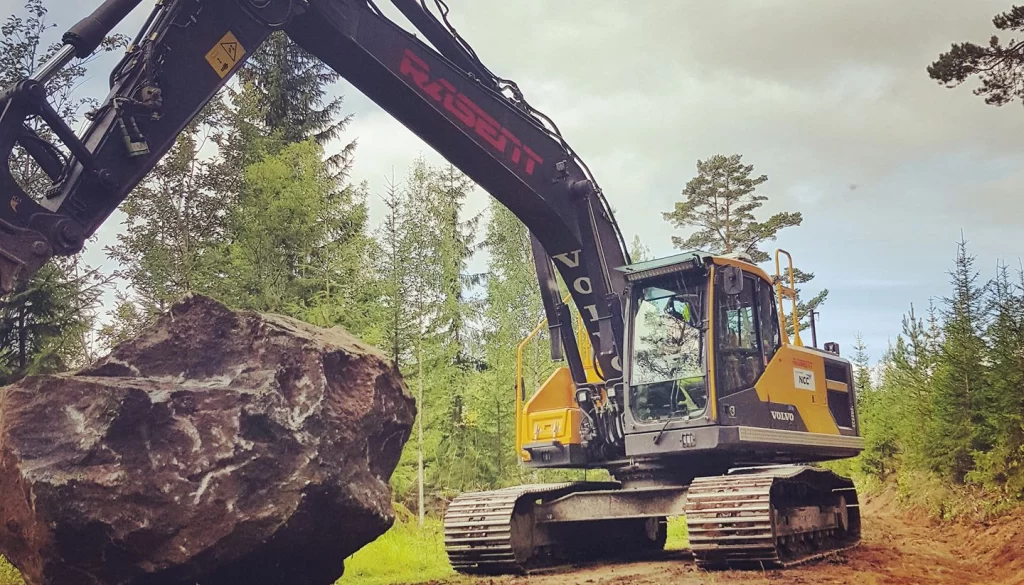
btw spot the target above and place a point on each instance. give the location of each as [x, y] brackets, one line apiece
[768, 320]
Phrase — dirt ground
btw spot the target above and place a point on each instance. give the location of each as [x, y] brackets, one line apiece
[897, 548]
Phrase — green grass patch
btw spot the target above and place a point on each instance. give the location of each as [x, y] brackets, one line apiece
[404, 554]
[677, 538]
[8, 574]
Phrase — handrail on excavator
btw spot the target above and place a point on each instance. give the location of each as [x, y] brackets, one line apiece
[787, 291]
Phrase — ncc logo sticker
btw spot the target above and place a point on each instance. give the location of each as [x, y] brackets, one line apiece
[803, 379]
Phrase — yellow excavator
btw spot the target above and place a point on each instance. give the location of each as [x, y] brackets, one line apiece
[719, 404]
[680, 379]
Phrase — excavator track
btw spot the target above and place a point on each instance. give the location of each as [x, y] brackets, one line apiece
[770, 517]
[484, 534]
[511, 531]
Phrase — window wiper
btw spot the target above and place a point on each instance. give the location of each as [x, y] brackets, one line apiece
[671, 417]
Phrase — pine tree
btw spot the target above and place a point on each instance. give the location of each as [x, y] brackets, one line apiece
[719, 205]
[1000, 67]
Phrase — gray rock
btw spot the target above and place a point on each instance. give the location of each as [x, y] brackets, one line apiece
[218, 447]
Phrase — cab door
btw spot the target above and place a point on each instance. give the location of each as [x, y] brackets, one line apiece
[746, 336]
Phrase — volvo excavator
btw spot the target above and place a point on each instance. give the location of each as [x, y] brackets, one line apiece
[680, 377]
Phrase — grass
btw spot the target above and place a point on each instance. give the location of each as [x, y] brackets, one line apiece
[677, 539]
[404, 554]
[8, 574]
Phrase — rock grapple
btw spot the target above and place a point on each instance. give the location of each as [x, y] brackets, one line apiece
[217, 447]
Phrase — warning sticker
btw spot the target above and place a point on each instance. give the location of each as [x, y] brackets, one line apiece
[225, 54]
[803, 379]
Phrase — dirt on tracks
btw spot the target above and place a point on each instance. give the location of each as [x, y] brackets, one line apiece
[898, 548]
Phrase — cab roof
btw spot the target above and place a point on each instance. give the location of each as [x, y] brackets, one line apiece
[666, 265]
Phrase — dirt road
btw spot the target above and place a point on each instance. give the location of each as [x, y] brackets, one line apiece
[897, 548]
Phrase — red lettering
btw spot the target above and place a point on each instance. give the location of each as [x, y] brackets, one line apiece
[487, 128]
[414, 67]
[516, 152]
[533, 159]
[467, 112]
[463, 112]
[433, 89]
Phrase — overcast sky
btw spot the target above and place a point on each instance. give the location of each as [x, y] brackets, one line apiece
[830, 99]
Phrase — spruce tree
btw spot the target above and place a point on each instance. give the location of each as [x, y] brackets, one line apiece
[862, 366]
[1002, 466]
[281, 103]
[285, 89]
[959, 399]
[638, 252]
[513, 310]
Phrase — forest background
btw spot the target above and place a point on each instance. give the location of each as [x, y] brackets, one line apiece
[254, 206]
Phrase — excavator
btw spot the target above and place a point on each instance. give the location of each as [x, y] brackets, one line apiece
[680, 376]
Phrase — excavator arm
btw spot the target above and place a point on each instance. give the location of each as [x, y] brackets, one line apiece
[188, 49]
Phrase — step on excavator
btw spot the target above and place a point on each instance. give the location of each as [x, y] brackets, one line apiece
[680, 377]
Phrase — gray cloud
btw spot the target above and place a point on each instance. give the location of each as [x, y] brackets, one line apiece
[818, 95]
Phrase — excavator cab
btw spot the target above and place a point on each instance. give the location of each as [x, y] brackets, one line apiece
[710, 367]
[712, 379]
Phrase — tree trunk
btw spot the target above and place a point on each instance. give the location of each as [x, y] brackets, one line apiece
[419, 424]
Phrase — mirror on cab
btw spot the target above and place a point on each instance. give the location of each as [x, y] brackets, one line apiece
[732, 280]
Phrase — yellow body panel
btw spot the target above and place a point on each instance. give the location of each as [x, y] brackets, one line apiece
[779, 384]
[551, 414]
[587, 354]
[712, 412]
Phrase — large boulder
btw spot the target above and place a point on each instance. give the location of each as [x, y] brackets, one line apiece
[218, 447]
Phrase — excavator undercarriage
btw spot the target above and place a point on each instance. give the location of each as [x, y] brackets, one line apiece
[768, 517]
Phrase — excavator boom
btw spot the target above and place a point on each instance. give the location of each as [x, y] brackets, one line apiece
[190, 48]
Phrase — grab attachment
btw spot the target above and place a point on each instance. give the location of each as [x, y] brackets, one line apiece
[30, 233]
